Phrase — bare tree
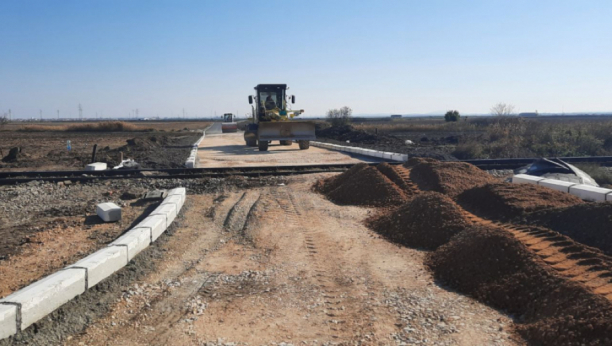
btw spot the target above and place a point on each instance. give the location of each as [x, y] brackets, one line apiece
[340, 117]
[3, 121]
[502, 109]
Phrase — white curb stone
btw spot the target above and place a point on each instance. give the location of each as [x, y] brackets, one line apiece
[8, 320]
[134, 241]
[157, 225]
[176, 200]
[558, 185]
[589, 193]
[166, 210]
[102, 263]
[526, 179]
[48, 294]
[109, 212]
[96, 166]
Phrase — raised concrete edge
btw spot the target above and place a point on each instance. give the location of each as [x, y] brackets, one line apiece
[362, 151]
[28, 305]
[192, 160]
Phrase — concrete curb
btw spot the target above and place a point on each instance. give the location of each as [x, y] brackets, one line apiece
[32, 303]
[585, 192]
[362, 151]
[192, 160]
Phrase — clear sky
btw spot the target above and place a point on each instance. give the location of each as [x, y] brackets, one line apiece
[375, 56]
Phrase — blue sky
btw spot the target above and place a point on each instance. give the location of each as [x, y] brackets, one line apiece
[375, 56]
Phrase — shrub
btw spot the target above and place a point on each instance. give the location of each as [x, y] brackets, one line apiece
[452, 116]
[340, 117]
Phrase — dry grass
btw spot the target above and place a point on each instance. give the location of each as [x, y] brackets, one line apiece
[109, 126]
[416, 126]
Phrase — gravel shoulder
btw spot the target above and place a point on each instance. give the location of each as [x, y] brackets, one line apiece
[280, 264]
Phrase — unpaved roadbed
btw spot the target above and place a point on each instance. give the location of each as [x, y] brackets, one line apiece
[282, 264]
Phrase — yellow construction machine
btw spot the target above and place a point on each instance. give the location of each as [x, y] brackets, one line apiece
[273, 121]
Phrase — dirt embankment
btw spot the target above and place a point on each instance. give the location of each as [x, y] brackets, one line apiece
[49, 150]
[504, 201]
[492, 266]
[423, 147]
[559, 290]
[449, 178]
[426, 221]
[362, 185]
[587, 223]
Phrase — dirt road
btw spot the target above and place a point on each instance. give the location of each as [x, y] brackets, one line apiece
[229, 150]
[282, 265]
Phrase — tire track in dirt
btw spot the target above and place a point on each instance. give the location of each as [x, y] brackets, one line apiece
[333, 298]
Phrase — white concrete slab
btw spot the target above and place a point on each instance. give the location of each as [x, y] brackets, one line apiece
[102, 263]
[399, 157]
[177, 200]
[157, 224]
[96, 166]
[179, 191]
[8, 320]
[109, 212]
[134, 240]
[558, 185]
[42, 297]
[526, 179]
[166, 210]
[589, 193]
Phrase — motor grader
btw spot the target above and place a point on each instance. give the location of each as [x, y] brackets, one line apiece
[273, 121]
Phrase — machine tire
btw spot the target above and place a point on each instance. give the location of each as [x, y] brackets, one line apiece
[304, 145]
[263, 145]
[286, 142]
[251, 143]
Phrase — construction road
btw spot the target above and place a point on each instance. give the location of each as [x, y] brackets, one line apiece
[282, 264]
[229, 150]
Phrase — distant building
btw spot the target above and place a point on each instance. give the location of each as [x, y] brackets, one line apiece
[396, 116]
[528, 114]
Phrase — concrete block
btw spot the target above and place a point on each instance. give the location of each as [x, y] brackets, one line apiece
[96, 166]
[177, 200]
[42, 297]
[387, 155]
[526, 179]
[134, 240]
[109, 212]
[589, 193]
[558, 185]
[8, 320]
[102, 264]
[157, 225]
[398, 157]
[166, 210]
[179, 191]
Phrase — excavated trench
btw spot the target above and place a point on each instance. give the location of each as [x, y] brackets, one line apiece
[558, 290]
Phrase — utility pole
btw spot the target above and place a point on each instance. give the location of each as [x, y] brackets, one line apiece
[10, 116]
[183, 113]
[58, 114]
[41, 115]
[80, 112]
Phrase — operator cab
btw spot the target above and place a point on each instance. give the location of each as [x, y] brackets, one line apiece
[270, 97]
[228, 118]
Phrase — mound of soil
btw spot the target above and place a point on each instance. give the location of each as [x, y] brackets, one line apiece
[427, 221]
[494, 267]
[506, 201]
[364, 186]
[449, 178]
[413, 161]
[327, 185]
[586, 223]
[390, 172]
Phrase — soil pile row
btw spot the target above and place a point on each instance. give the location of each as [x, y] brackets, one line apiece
[506, 201]
[492, 266]
[362, 185]
[449, 178]
[390, 172]
[587, 223]
[427, 221]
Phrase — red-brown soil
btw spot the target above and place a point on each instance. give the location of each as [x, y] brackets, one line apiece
[449, 178]
[391, 172]
[427, 221]
[506, 201]
[332, 183]
[367, 187]
[587, 223]
[493, 266]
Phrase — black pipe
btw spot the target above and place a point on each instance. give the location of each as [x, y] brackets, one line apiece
[93, 154]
